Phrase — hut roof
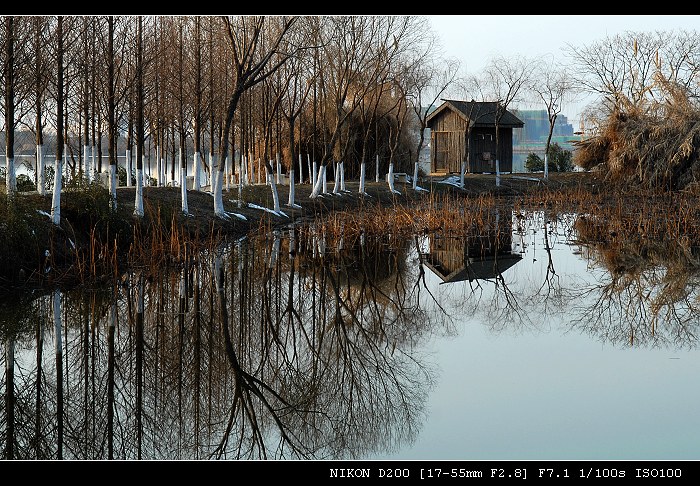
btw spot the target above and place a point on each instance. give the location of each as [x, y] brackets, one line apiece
[477, 113]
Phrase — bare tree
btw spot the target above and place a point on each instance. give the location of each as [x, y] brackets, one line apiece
[140, 131]
[621, 70]
[39, 27]
[255, 57]
[427, 81]
[9, 87]
[58, 173]
[298, 87]
[553, 84]
[357, 51]
[504, 81]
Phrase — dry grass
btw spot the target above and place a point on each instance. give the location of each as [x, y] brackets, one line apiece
[93, 244]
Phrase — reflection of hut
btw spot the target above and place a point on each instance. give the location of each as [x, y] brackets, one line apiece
[482, 257]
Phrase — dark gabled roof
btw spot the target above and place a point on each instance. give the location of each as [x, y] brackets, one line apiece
[478, 113]
[477, 268]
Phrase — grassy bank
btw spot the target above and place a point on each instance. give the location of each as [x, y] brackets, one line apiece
[93, 243]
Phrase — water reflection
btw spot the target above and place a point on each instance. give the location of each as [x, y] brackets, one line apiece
[287, 347]
[303, 345]
[647, 293]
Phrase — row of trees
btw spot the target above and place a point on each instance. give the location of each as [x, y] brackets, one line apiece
[242, 88]
[349, 92]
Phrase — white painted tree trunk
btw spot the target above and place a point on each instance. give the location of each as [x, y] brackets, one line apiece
[56, 200]
[183, 192]
[10, 175]
[161, 171]
[127, 165]
[325, 181]
[196, 183]
[336, 178]
[342, 176]
[113, 186]
[86, 160]
[462, 170]
[159, 182]
[415, 176]
[498, 172]
[218, 194]
[240, 181]
[390, 177]
[376, 172]
[279, 168]
[40, 170]
[314, 172]
[291, 186]
[319, 181]
[311, 174]
[275, 195]
[362, 178]
[228, 174]
[216, 181]
[546, 166]
[183, 185]
[93, 163]
[301, 170]
[138, 202]
[252, 171]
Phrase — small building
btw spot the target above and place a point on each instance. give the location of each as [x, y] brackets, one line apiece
[458, 125]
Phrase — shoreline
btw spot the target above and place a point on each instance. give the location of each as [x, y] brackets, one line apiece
[91, 243]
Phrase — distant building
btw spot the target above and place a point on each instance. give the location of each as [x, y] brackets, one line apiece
[532, 137]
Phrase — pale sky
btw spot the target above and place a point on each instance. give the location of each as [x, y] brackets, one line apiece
[476, 39]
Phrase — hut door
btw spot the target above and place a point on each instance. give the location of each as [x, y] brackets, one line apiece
[440, 151]
[484, 151]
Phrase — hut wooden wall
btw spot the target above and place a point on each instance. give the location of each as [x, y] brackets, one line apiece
[484, 144]
[448, 132]
[448, 142]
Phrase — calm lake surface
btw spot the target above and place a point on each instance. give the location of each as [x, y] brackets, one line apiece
[521, 342]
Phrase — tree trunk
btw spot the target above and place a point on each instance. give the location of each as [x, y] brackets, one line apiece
[10, 398]
[59, 370]
[140, 133]
[291, 188]
[10, 176]
[336, 178]
[111, 108]
[415, 176]
[362, 178]
[183, 184]
[342, 176]
[56, 201]
[390, 177]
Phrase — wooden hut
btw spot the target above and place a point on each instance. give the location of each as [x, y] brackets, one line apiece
[456, 126]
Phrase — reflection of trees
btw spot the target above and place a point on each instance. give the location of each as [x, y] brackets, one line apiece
[283, 353]
[338, 382]
[649, 295]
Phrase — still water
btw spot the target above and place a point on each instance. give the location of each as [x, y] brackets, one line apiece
[526, 341]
